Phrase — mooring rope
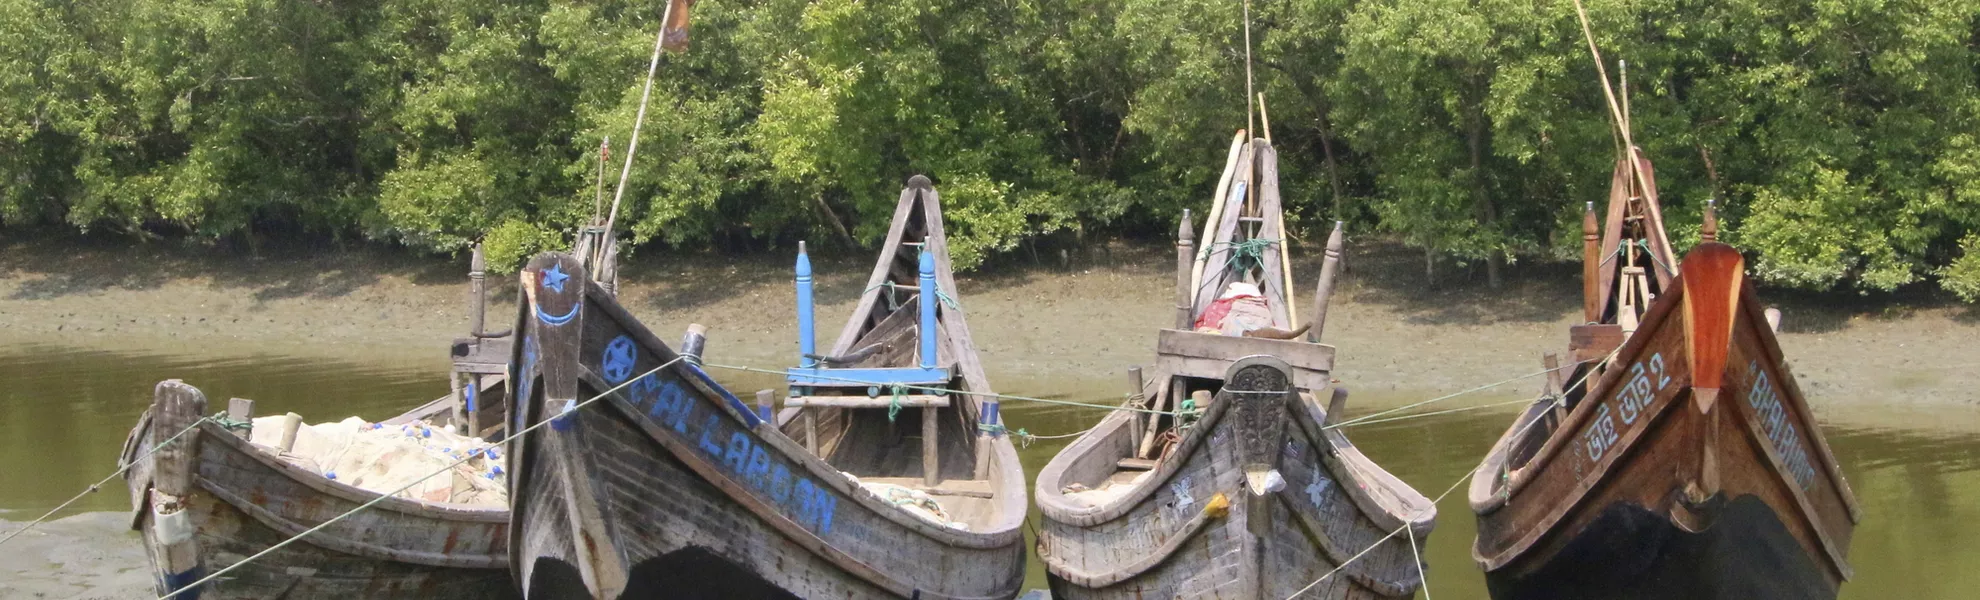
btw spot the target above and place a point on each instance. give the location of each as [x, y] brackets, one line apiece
[944, 297]
[381, 497]
[113, 475]
[1372, 416]
[1440, 497]
[1435, 413]
[1422, 579]
[1378, 543]
[942, 390]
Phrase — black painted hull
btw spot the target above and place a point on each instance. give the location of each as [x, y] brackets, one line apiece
[1629, 552]
[692, 573]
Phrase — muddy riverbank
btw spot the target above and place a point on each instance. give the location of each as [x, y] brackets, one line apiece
[1399, 336]
[87, 330]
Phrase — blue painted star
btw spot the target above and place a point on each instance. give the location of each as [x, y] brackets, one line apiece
[617, 362]
[1317, 491]
[554, 278]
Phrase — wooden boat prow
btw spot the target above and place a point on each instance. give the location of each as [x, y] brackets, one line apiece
[1688, 464]
[671, 485]
[1257, 497]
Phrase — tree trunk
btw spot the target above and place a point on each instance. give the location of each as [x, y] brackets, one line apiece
[1333, 165]
[1429, 265]
[838, 226]
[1488, 215]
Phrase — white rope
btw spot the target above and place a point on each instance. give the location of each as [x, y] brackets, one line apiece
[1440, 497]
[1378, 543]
[99, 484]
[1367, 417]
[381, 497]
[1422, 580]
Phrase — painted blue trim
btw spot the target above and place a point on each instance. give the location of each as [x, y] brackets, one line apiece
[178, 581]
[557, 320]
[807, 327]
[471, 393]
[747, 412]
[868, 377]
[929, 301]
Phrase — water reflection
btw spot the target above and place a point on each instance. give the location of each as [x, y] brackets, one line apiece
[64, 414]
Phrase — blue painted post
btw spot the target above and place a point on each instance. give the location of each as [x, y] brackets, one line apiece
[929, 300]
[807, 341]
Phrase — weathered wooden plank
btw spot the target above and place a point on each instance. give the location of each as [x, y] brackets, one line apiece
[1206, 355]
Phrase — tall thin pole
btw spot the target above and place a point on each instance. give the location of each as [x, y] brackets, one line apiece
[1249, 123]
[632, 147]
[1615, 110]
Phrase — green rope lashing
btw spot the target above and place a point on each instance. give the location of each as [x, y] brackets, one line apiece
[231, 424]
[894, 403]
[1247, 254]
[1024, 438]
[1186, 414]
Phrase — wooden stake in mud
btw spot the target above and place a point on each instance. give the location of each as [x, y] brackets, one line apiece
[1323, 292]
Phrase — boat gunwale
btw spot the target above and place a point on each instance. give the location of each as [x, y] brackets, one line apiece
[824, 471]
[343, 491]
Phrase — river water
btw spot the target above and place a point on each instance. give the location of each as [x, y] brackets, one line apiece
[64, 413]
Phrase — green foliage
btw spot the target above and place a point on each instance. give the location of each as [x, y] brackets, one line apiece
[1840, 136]
[1963, 275]
[511, 243]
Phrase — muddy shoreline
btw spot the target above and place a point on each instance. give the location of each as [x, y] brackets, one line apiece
[1399, 336]
[1062, 331]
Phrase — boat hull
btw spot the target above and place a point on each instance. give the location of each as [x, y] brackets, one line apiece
[670, 486]
[1629, 552]
[1690, 468]
[1196, 530]
[243, 501]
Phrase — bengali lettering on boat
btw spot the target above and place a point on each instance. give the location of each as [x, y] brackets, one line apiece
[1648, 382]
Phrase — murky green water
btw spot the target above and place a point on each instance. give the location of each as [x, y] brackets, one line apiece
[64, 414]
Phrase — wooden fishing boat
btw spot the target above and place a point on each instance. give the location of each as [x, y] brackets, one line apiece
[1677, 457]
[670, 486]
[1248, 493]
[210, 499]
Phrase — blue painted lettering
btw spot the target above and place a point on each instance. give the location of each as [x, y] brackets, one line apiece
[738, 452]
[1766, 403]
[758, 472]
[708, 444]
[780, 484]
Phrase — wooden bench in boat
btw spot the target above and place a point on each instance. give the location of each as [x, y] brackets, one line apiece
[967, 488]
[1208, 355]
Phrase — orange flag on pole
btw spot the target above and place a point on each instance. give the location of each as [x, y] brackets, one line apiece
[675, 30]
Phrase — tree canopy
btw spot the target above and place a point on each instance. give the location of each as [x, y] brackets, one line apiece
[1841, 137]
